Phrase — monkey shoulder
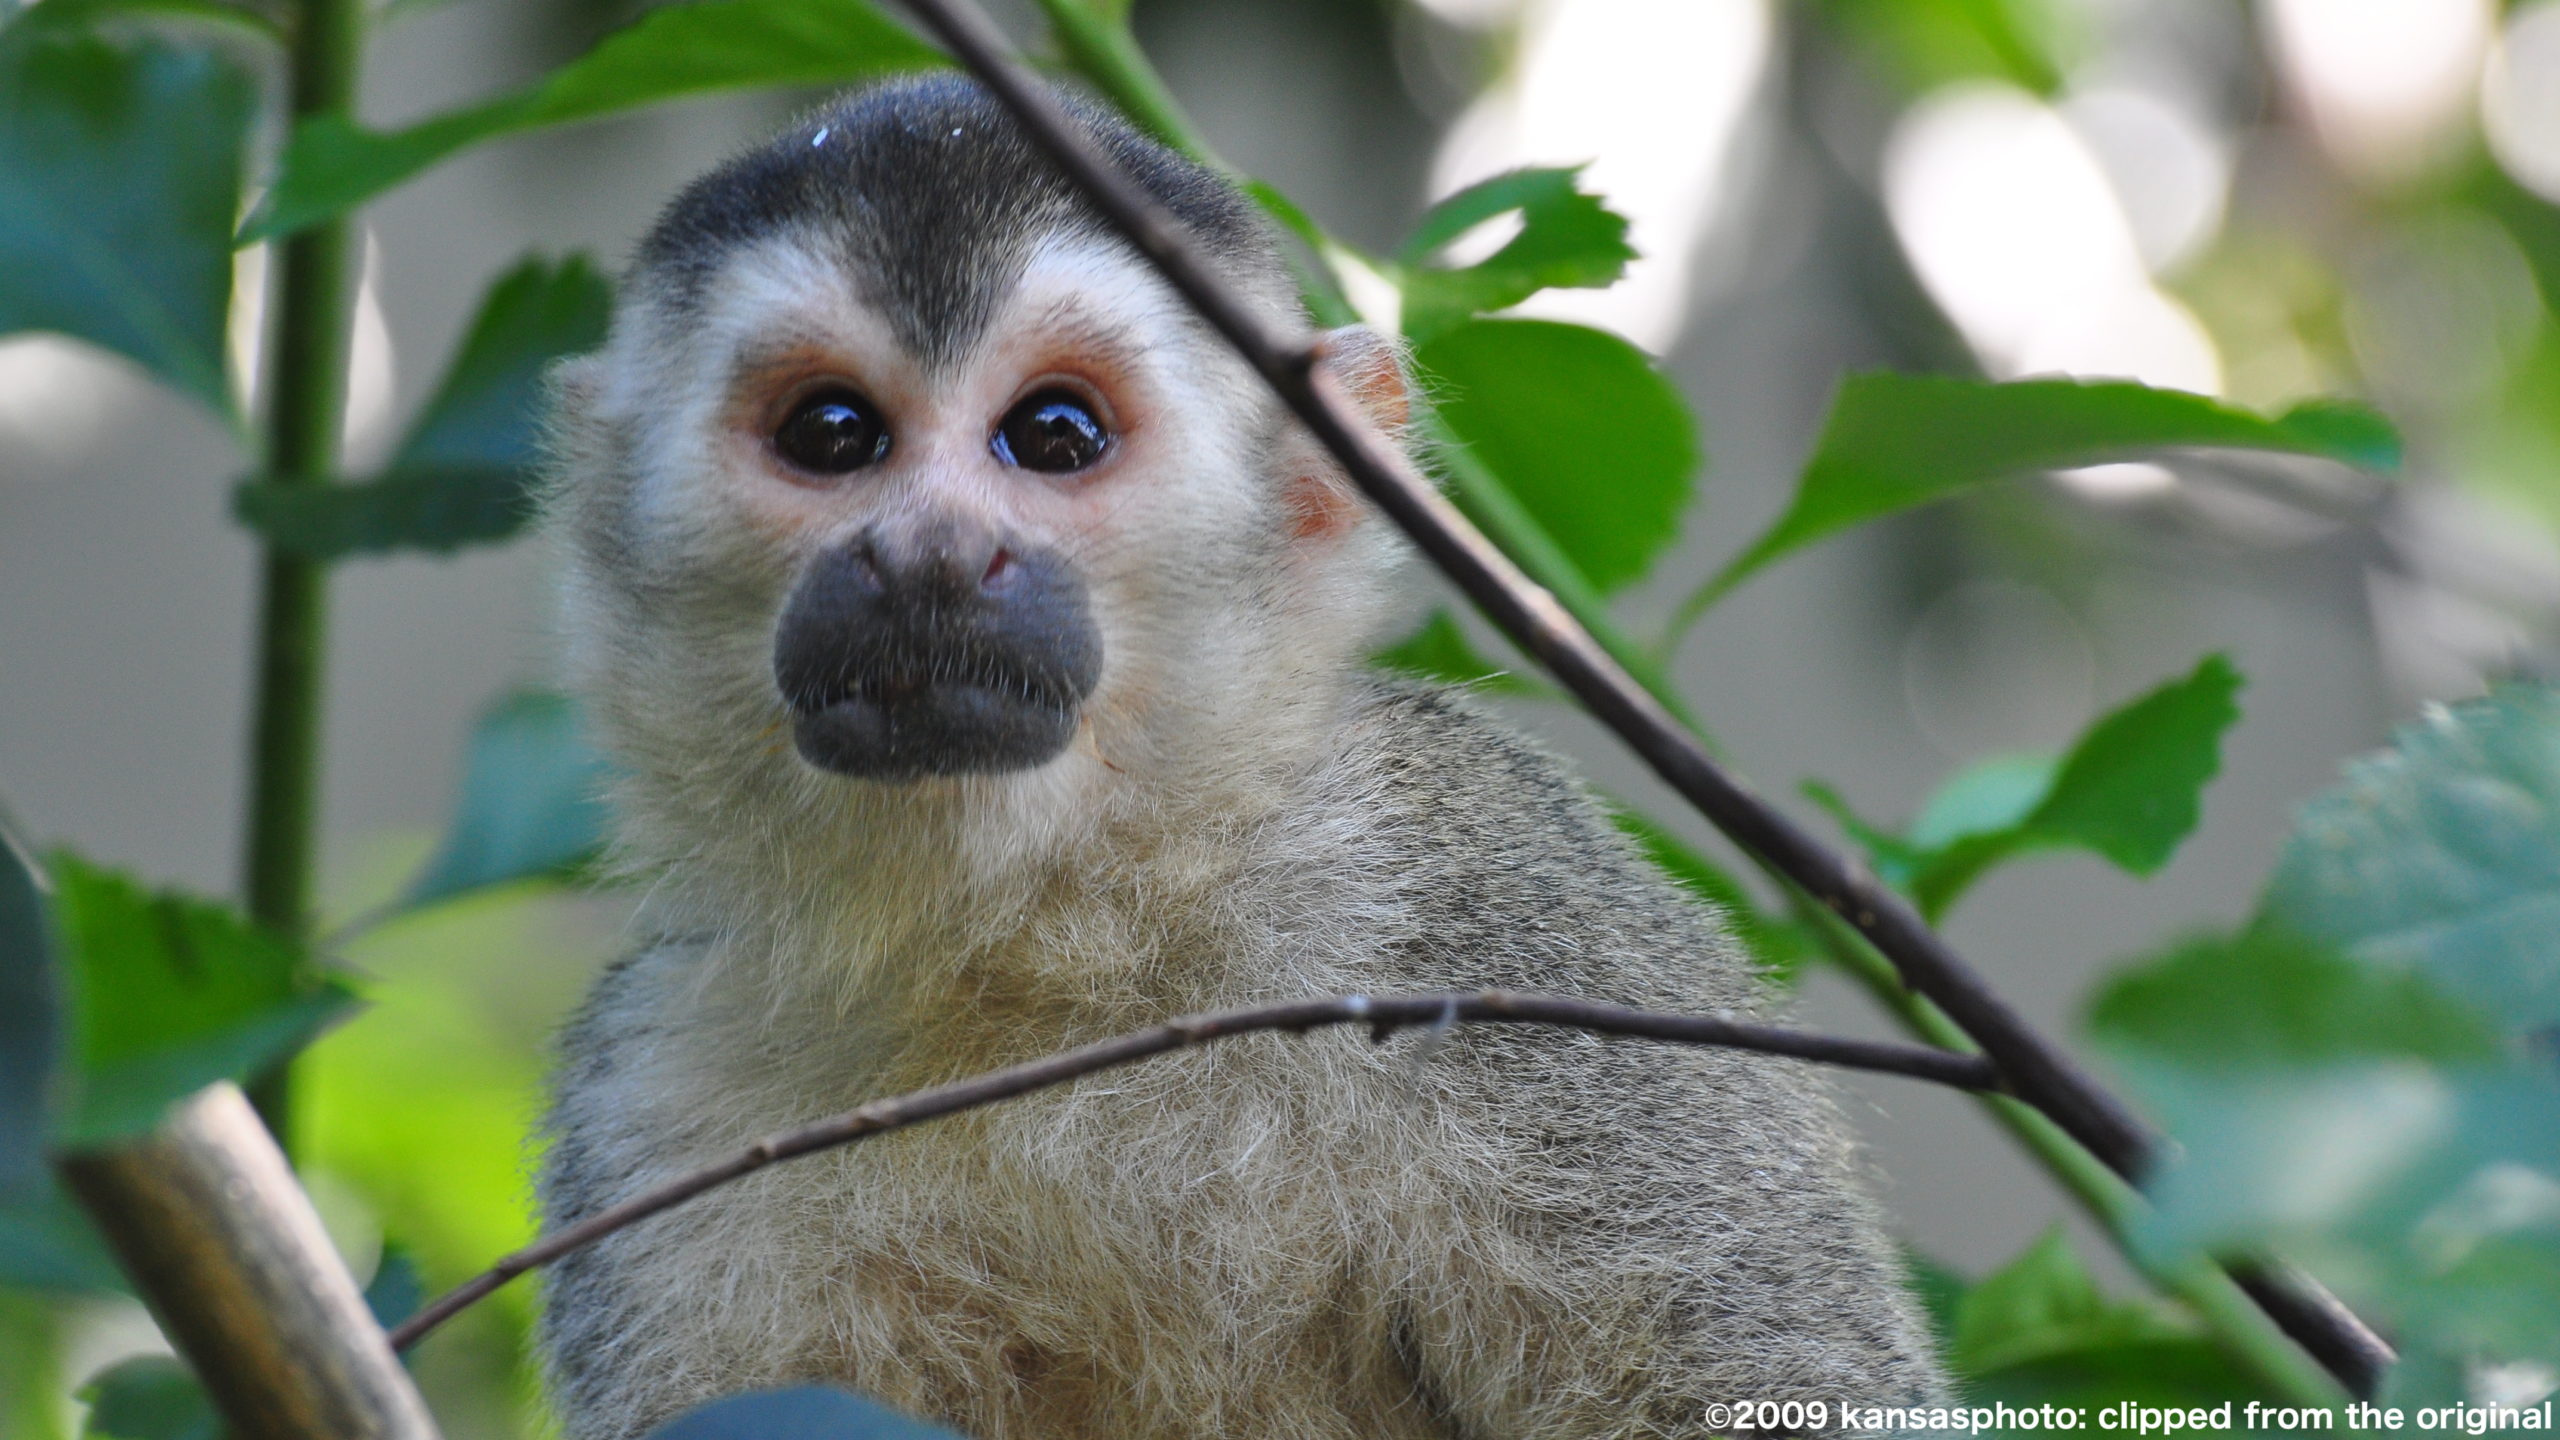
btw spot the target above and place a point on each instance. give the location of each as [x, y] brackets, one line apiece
[1512, 874]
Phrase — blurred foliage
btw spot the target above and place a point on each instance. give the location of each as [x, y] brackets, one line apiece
[464, 473]
[672, 51]
[2359, 1078]
[120, 174]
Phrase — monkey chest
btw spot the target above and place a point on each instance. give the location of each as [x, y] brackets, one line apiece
[1192, 1249]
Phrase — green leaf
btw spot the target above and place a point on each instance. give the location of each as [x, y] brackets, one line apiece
[1984, 798]
[1894, 442]
[2429, 1196]
[47, 1243]
[1567, 239]
[532, 801]
[430, 509]
[2044, 1303]
[120, 175]
[150, 1397]
[169, 994]
[395, 1292]
[2267, 998]
[464, 475]
[1924, 44]
[30, 1022]
[1581, 429]
[2441, 855]
[488, 409]
[802, 1412]
[1441, 651]
[68, 15]
[2130, 789]
[2361, 1081]
[1779, 946]
[333, 165]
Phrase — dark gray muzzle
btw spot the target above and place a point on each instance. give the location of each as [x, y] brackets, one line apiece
[935, 649]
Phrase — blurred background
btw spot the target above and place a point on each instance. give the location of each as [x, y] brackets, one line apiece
[2265, 201]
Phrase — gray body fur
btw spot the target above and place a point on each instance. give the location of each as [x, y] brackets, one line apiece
[1498, 1235]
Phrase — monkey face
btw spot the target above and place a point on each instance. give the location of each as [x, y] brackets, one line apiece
[904, 494]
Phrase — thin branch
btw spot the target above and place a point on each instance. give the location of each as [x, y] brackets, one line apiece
[1384, 1015]
[2037, 1071]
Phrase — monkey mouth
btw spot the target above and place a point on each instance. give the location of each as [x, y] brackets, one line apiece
[907, 723]
[941, 652]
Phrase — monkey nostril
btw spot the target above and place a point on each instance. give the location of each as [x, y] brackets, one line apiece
[997, 565]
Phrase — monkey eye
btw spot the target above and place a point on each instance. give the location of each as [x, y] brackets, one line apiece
[1051, 431]
[832, 432]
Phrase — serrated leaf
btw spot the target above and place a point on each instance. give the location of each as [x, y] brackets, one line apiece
[1579, 427]
[2441, 855]
[149, 1397]
[334, 165]
[2130, 789]
[2369, 1098]
[120, 170]
[1567, 240]
[1780, 947]
[30, 1023]
[1441, 651]
[802, 1412]
[532, 800]
[167, 995]
[1894, 442]
[464, 474]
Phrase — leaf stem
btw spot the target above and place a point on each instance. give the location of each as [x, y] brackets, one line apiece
[305, 422]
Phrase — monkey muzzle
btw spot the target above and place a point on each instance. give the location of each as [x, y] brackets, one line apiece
[939, 649]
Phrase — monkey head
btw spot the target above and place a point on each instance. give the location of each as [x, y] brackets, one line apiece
[902, 481]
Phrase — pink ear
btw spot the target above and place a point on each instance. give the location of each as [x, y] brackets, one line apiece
[1366, 366]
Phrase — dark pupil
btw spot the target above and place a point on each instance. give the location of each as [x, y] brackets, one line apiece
[1051, 432]
[831, 434]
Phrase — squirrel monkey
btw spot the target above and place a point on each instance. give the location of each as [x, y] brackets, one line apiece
[983, 646]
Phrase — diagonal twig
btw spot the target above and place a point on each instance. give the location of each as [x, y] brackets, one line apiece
[2037, 1071]
[1382, 1014]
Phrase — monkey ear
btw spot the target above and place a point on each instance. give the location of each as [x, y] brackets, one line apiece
[573, 385]
[1370, 368]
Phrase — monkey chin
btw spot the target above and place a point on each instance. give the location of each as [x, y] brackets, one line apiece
[897, 733]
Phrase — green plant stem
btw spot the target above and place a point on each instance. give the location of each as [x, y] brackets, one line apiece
[1101, 49]
[314, 274]
[1093, 37]
[2238, 1326]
